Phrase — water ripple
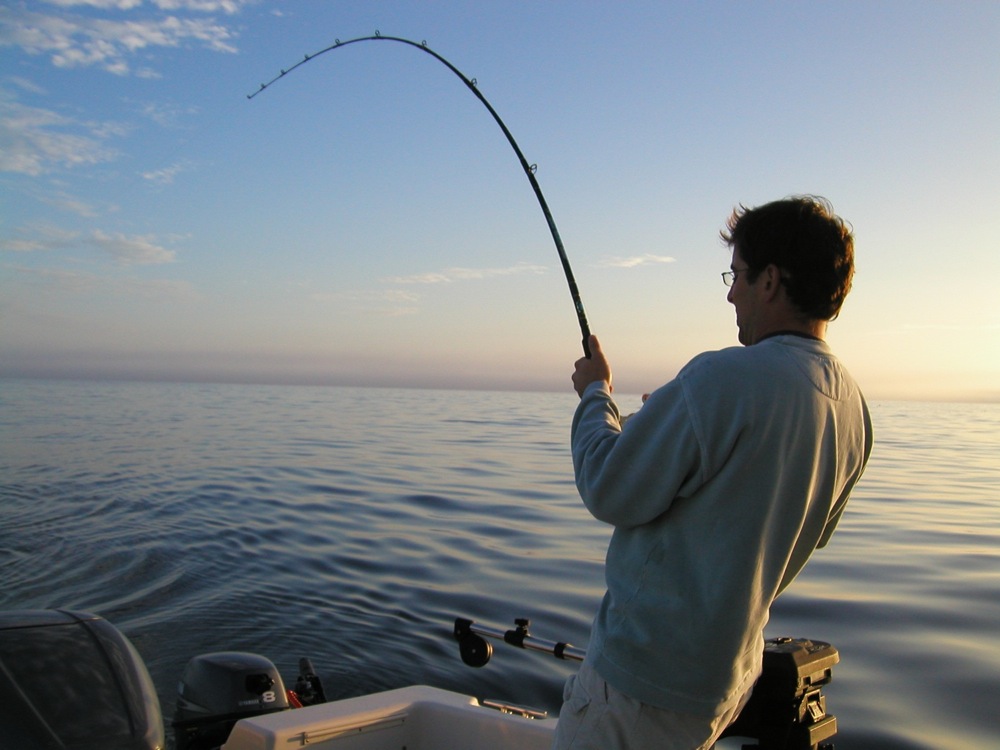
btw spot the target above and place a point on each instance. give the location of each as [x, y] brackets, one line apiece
[353, 525]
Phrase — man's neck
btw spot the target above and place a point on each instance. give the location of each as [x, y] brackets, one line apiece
[814, 329]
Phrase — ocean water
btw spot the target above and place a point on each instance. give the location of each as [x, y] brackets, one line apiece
[353, 525]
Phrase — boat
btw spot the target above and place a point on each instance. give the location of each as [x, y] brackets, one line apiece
[411, 717]
[71, 680]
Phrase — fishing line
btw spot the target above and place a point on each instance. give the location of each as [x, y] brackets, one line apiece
[529, 169]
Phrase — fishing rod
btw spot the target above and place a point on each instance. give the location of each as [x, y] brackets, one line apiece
[529, 169]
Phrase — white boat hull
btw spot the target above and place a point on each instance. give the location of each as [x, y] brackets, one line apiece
[415, 718]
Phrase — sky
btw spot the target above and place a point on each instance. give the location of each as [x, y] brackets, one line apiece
[363, 221]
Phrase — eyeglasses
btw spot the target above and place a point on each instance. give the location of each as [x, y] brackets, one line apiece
[729, 277]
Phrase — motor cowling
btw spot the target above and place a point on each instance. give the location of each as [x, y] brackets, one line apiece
[217, 690]
[70, 680]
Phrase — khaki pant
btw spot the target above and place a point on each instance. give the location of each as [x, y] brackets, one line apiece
[596, 716]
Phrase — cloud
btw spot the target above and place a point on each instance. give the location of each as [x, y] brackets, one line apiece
[389, 303]
[66, 202]
[108, 43]
[16, 245]
[61, 279]
[636, 260]
[451, 275]
[205, 6]
[23, 83]
[166, 115]
[80, 282]
[34, 141]
[127, 250]
[164, 176]
[39, 238]
[135, 250]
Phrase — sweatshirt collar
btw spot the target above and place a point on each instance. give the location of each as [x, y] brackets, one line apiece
[800, 334]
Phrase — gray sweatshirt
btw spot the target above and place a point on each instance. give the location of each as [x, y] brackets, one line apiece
[719, 489]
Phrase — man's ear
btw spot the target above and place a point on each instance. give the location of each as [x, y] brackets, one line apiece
[770, 279]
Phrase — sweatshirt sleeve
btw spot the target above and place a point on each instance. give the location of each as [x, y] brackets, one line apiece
[628, 475]
[838, 507]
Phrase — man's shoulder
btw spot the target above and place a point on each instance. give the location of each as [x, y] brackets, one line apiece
[778, 366]
[717, 360]
[741, 366]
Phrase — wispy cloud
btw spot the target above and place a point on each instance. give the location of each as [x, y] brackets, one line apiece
[166, 115]
[39, 238]
[24, 84]
[205, 6]
[64, 280]
[134, 250]
[125, 249]
[389, 303]
[366, 296]
[110, 42]
[451, 275]
[66, 202]
[635, 261]
[34, 141]
[82, 282]
[166, 175]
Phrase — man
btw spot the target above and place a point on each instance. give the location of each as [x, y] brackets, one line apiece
[719, 488]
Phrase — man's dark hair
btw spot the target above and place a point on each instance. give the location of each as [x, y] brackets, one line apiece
[811, 246]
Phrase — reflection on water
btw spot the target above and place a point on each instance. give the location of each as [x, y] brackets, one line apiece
[353, 525]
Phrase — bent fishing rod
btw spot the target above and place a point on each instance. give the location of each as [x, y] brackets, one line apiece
[529, 169]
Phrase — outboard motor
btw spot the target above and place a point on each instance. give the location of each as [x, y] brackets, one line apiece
[72, 681]
[217, 690]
